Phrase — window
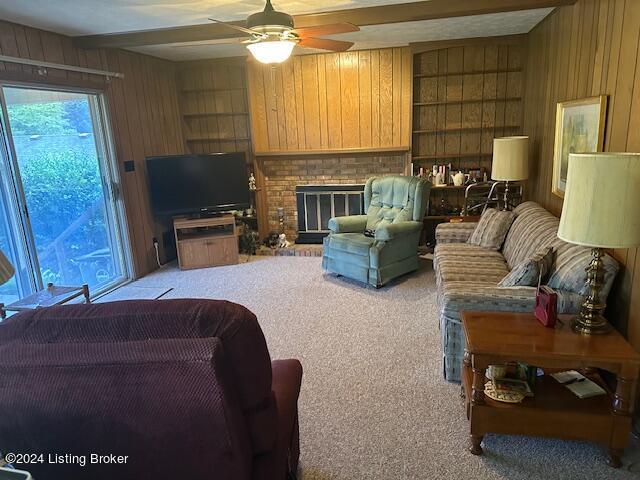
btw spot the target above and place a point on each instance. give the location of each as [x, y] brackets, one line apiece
[61, 220]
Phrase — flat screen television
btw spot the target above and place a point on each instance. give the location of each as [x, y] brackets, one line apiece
[186, 184]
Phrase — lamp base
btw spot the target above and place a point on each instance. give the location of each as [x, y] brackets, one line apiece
[590, 320]
[591, 325]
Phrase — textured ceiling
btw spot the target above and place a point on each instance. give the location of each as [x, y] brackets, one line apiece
[85, 17]
[388, 35]
[82, 17]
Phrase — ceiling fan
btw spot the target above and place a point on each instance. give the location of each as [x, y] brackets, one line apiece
[272, 35]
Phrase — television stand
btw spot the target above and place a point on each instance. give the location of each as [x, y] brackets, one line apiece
[206, 242]
[206, 214]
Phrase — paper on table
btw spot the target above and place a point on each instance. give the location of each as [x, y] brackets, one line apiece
[586, 389]
[568, 376]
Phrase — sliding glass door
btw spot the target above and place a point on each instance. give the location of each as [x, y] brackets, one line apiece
[60, 217]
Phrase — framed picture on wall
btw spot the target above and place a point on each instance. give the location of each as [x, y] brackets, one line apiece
[579, 129]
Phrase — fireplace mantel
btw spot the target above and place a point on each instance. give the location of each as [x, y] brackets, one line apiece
[343, 151]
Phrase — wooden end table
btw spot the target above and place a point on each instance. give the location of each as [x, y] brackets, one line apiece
[50, 296]
[554, 411]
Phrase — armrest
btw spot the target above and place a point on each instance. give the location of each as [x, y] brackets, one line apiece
[453, 297]
[282, 460]
[454, 232]
[387, 232]
[349, 224]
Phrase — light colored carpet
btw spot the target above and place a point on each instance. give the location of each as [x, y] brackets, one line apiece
[374, 404]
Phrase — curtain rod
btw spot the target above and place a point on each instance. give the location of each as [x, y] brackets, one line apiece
[60, 66]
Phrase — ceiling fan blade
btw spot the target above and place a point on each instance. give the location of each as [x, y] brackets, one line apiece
[237, 27]
[220, 41]
[329, 29]
[325, 44]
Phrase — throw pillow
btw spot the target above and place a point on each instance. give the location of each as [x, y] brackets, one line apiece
[492, 229]
[569, 272]
[527, 272]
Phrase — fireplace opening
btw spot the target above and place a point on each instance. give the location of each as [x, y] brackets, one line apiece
[316, 204]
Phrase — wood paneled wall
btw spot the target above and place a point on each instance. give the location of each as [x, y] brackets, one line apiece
[143, 110]
[214, 106]
[590, 48]
[336, 101]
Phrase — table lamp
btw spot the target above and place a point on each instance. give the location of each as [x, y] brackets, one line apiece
[600, 210]
[510, 162]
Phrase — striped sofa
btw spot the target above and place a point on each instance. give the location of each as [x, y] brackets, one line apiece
[467, 275]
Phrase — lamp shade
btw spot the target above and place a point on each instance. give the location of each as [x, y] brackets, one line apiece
[271, 51]
[601, 200]
[6, 269]
[510, 159]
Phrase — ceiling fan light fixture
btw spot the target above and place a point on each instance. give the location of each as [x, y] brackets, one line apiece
[274, 51]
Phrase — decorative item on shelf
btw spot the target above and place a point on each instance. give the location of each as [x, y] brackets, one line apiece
[419, 171]
[508, 384]
[506, 396]
[459, 178]
[272, 239]
[579, 129]
[440, 175]
[283, 242]
[280, 211]
[527, 373]
[600, 211]
[496, 371]
[252, 182]
[510, 163]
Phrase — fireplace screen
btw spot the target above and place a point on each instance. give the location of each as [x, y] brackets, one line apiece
[318, 203]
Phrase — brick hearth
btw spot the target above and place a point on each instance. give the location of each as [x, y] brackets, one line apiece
[282, 174]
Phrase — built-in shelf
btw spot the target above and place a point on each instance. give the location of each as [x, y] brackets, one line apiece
[209, 139]
[472, 72]
[341, 151]
[440, 156]
[213, 114]
[466, 129]
[196, 90]
[464, 102]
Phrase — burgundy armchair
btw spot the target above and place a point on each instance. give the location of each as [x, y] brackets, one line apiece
[174, 388]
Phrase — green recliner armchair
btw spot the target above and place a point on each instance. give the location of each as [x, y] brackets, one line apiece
[394, 208]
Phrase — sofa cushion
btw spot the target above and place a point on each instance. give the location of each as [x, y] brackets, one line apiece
[531, 270]
[569, 271]
[533, 229]
[354, 243]
[492, 229]
[463, 262]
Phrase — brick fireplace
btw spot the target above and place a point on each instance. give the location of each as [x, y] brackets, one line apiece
[283, 174]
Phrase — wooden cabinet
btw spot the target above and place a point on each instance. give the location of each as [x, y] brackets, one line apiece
[206, 242]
